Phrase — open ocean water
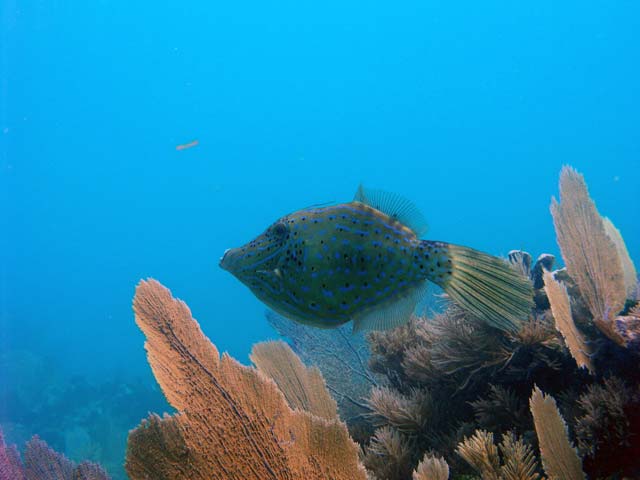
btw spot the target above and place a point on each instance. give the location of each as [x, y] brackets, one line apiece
[142, 139]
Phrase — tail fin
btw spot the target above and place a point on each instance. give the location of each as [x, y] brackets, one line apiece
[484, 285]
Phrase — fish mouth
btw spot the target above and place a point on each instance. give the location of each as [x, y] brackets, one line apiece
[242, 261]
[227, 261]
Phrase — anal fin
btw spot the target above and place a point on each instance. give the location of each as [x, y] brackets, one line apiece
[393, 313]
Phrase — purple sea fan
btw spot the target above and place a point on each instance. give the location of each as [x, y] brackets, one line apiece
[43, 463]
[628, 327]
[10, 464]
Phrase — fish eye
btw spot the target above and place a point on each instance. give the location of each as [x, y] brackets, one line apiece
[279, 229]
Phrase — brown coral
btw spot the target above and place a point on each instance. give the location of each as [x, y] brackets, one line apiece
[591, 257]
[233, 422]
[518, 460]
[389, 455]
[501, 406]
[388, 349]
[406, 413]
[481, 453]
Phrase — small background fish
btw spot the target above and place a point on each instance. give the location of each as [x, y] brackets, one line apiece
[185, 146]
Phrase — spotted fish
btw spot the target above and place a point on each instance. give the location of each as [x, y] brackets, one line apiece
[365, 262]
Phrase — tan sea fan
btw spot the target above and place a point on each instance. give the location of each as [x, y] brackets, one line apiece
[561, 309]
[431, 467]
[590, 255]
[303, 387]
[628, 269]
[233, 422]
[559, 458]
[389, 454]
[519, 461]
[481, 453]
[407, 413]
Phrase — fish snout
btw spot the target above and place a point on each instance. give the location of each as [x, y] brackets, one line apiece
[227, 260]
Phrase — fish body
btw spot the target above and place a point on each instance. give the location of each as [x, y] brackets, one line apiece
[361, 261]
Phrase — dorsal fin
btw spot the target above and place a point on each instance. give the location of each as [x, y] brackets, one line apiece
[395, 206]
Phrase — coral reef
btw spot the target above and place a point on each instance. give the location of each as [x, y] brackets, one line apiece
[43, 463]
[450, 375]
[425, 400]
[233, 421]
[443, 396]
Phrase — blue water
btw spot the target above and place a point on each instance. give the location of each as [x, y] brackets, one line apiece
[470, 109]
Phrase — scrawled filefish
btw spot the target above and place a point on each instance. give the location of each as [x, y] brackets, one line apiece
[364, 262]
